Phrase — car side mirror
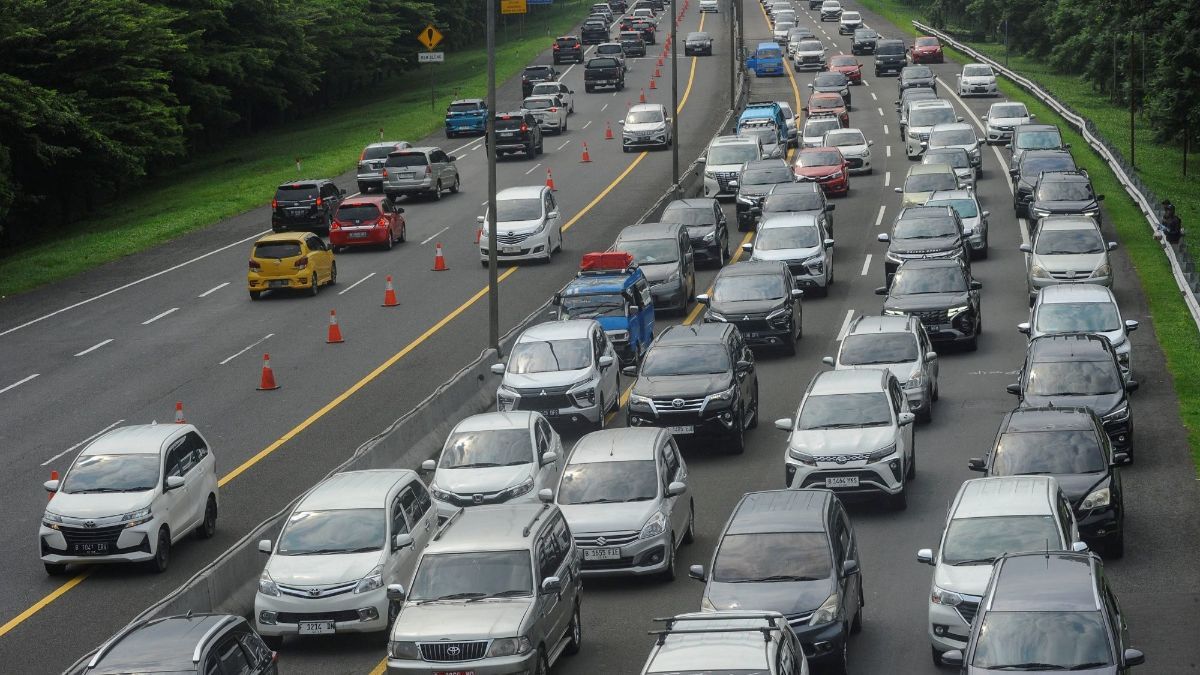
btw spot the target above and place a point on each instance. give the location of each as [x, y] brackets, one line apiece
[1012, 173]
[1079, 546]
[497, 368]
[703, 299]
[1112, 245]
[1014, 389]
[697, 572]
[551, 585]
[621, 122]
[552, 214]
[850, 568]
[401, 540]
[264, 546]
[174, 482]
[907, 418]
[931, 356]
[1023, 327]
[1131, 386]
[1133, 657]
[975, 285]
[1118, 459]
[882, 290]
[870, 142]
[51, 486]
[748, 247]
[479, 219]
[830, 207]
[1131, 325]
[676, 488]
[797, 293]
[549, 457]
[883, 236]
[429, 465]
[898, 190]
[960, 118]
[1025, 248]
[810, 85]
[1009, 146]
[1031, 115]
[396, 593]
[451, 158]
[986, 214]
[784, 424]
[556, 300]
[701, 159]
[954, 657]
[605, 361]
[976, 464]
[983, 117]
[744, 366]
[827, 360]
[631, 371]
[925, 555]
[545, 495]
[828, 243]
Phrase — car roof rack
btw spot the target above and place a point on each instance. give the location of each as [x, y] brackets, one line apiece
[217, 627]
[771, 627]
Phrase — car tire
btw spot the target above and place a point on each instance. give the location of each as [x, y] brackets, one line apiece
[255, 295]
[542, 667]
[403, 232]
[457, 184]
[437, 191]
[601, 421]
[364, 188]
[856, 625]
[926, 416]
[274, 642]
[789, 346]
[314, 288]
[563, 128]
[1115, 547]
[841, 666]
[162, 552]
[912, 464]
[937, 657]
[209, 525]
[588, 88]
[689, 535]
[391, 241]
[936, 391]
[737, 444]
[575, 631]
[55, 569]
[754, 420]
[332, 273]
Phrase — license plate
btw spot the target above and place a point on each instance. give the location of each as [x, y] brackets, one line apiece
[549, 413]
[751, 335]
[842, 481]
[316, 627]
[682, 430]
[297, 211]
[610, 553]
[510, 249]
[91, 548]
[405, 176]
[507, 134]
[359, 235]
[453, 672]
[277, 284]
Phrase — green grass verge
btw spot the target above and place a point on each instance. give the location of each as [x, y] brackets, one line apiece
[243, 175]
[1158, 166]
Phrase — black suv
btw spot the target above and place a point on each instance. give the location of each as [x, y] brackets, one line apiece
[305, 205]
[921, 232]
[1064, 193]
[568, 48]
[889, 56]
[761, 299]
[594, 32]
[864, 41]
[1048, 611]
[1079, 370]
[706, 226]
[1069, 444]
[794, 552]
[194, 643]
[603, 71]
[942, 294]
[632, 42]
[803, 197]
[518, 131]
[698, 381]
[1032, 164]
[754, 183]
[534, 74]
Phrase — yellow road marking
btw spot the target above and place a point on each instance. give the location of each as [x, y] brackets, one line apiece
[37, 606]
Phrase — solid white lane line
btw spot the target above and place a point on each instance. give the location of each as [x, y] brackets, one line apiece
[533, 168]
[879, 218]
[604, 107]
[845, 325]
[85, 441]
[589, 123]
[887, 178]
[212, 290]
[866, 265]
[152, 319]
[18, 383]
[94, 347]
[351, 286]
[565, 144]
[889, 151]
[873, 97]
[252, 345]
[430, 238]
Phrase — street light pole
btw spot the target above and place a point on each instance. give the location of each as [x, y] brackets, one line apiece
[493, 277]
[674, 104]
[733, 54]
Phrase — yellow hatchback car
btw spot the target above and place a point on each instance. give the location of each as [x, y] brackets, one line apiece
[290, 260]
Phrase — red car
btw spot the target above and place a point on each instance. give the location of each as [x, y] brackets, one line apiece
[847, 65]
[926, 50]
[825, 166]
[367, 220]
[828, 103]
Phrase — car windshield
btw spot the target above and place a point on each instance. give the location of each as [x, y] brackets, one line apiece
[924, 228]
[472, 576]
[688, 215]
[1008, 111]
[1032, 166]
[651, 251]
[843, 139]
[592, 305]
[783, 26]
[748, 288]
[1048, 452]
[843, 61]
[917, 73]
[793, 201]
[878, 348]
[930, 182]
[783, 238]
[547, 88]
[1036, 140]
[830, 80]
[487, 448]
[608, 482]
[773, 556]
[825, 102]
[1069, 242]
[890, 48]
[781, 174]
[463, 107]
[978, 541]
[1042, 641]
[1077, 317]
[277, 249]
[956, 158]
[699, 359]
[769, 53]
[333, 531]
[966, 208]
[538, 73]
[1073, 378]
[1064, 191]
[548, 356]
[953, 137]
[297, 193]
[927, 117]
[809, 46]
[823, 158]
[928, 280]
[732, 154]
[508, 210]
[977, 71]
[357, 212]
[926, 42]
[539, 103]
[838, 411]
[112, 473]
[819, 126]
[865, 34]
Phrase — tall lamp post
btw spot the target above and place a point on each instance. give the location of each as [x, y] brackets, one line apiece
[493, 278]
[674, 104]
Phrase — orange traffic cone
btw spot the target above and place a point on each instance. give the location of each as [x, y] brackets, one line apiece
[586, 157]
[439, 262]
[657, 72]
[660, 62]
[179, 413]
[478, 234]
[652, 85]
[389, 294]
[53, 476]
[335, 331]
[642, 97]
[267, 383]
[550, 181]
[608, 134]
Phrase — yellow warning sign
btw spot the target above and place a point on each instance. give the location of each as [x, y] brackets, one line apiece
[430, 37]
[513, 7]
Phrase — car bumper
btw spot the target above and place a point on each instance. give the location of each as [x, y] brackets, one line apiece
[644, 141]
[822, 644]
[370, 178]
[530, 249]
[932, 57]
[712, 188]
[602, 83]
[846, 30]
[711, 423]
[350, 612]
[977, 240]
[946, 628]
[804, 66]
[1040, 283]
[884, 68]
[408, 187]
[467, 127]
[978, 90]
[918, 402]
[446, 509]
[857, 165]
[502, 148]
[133, 544]
[306, 223]
[999, 135]
[835, 186]
[885, 477]
[302, 279]
[689, 51]
[1099, 525]
[641, 557]
[548, 125]
[523, 664]
[365, 236]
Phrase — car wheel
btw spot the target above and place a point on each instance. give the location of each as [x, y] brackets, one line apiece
[209, 527]
[936, 390]
[723, 256]
[937, 657]
[689, 535]
[668, 573]
[55, 569]
[1115, 548]
[543, 668]
[274, 642]
[562, 128]
[856, 625]
[314, 288]
[912, 463]
[926, 416]
[332, 273]
[601, 421]
[841, 666]
[437, 191]
[457, 184]
[789, 346]
[737, 444]
[162, 553]
[391, 241]
[754, 420]
[575, 631]
[403, 232]
[254, 295]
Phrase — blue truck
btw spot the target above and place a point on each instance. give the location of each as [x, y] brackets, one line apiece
[767, 60]
[611, 289]
[466, 116]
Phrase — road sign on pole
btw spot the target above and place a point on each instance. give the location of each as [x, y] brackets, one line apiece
[431, 57]
[513, 7]
[430, 36]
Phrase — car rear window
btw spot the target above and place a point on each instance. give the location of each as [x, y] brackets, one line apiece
[602, 63]
[567, 42]
[277, 249]
[357, 212]
[890, 47]
[463, 107]
[407, 159]
[536, 71]
[297, 192]
[508, 123]
[377, 151]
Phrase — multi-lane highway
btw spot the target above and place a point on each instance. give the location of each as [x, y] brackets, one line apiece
[272, 445]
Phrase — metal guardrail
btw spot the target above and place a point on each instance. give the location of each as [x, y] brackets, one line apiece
[1183, 267]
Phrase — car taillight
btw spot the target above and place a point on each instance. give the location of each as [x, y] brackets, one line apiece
[555, 46]
[302, 262]
[382, 222]
[335, 225]
[254, 266]
[363, 155]
[524, 127]
[274, 203]
[385, 173]
[320, 201]
[554, 110]
[428, 170]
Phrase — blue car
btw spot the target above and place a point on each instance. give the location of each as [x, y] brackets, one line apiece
[611, 289]
[767, 60]
[466, 116]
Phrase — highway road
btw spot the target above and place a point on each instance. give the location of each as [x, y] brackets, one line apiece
[153, 365]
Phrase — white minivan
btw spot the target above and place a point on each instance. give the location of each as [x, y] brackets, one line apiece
[527, 225]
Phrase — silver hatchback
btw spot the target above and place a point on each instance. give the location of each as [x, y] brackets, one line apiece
[425, 171]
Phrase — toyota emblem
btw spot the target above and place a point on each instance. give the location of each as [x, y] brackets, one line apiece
[478, 499]
[841, 459]
[314, 592]
[453, 651]
[600, 541]
[89, 523]
[677, 403]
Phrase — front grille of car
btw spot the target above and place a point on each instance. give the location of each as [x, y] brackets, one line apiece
[297, 617]
[92, 535]
[510, 239]
[841, 459]
[798, 620]
[931, 317]
[854, 162]
[1070, 275]
[469, 500]
[686, 405]
[609, 539]
[1002, 128]
[453, 651]
[748, 323]
[321, 591]
[967, 610]
[723, 178]
[922, 136]
[810, 59]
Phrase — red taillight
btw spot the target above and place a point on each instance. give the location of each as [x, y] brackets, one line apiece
[428, 170]
[254, 266]
[274, 203]
[335, 225]
[555, 46]
[320, 201]
[382, 222]
[554, 110]
[363, 155]
[524, 127]
[302, 262]
[385, 173]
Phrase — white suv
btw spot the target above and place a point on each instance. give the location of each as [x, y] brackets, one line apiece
[527, 225]
[128, 496]
[989, 518]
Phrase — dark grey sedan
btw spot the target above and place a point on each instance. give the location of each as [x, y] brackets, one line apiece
[698, 44]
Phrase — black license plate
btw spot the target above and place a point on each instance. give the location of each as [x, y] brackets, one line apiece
[90, 548]
[550, 413]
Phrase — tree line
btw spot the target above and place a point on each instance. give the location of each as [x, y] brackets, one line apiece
[98, 95]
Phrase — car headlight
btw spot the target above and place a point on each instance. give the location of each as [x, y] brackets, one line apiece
[1103, 270]
[372, 581]
[892, 256]
[656, 525]
[518, 490]
[1123, 358]
[845, 93]
[802, 457]
[510, 646]
[440, 494]
[136, 518]
[1097, 499]
[940, 596]
[1118, 415]
[1092, 212]
[1039, 213]
[266, 585]
[673, 277]
[714, 316]
[403, 649]
[638, 399]
[894, 312]
[816, 264]
[828, 612]
[710, 174]
[711, 236]
[52, 520]
[916, 381]
[780, 316]
[1038, 272]
[835, 175]
[955, 311]
[881, 454]
[745, 199]
[726, 395]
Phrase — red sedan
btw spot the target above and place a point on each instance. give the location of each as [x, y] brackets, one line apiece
[825, 166]
[848, 65]
[367, 220]
[926, 50]
[828, 103]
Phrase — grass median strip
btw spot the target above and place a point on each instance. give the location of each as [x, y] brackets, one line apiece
[1177, 334]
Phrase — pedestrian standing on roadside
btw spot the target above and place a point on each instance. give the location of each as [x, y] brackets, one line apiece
[1172, 226]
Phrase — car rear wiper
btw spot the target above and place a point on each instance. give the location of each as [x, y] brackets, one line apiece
[1031, 666]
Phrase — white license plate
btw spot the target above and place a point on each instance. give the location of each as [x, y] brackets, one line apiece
[842, 482]
[510, 249]
[359, 235]
[610, 553]
[453, 672]
[316, 627]
[682, 430]
[750, 335]
[405, 176]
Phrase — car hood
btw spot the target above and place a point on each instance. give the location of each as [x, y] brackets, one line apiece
[683, 386]
[925, 301]
[1007, 121]
[646, 127]
[786, 254]
[979, 79]
[724, 168]
[1101, 404]
[483, 479]
[816, 171]
[321, 570]
[659, 271]
[1066, 206]
[842, 441]
[917, 82]
[860, 150]
[772, 150]
[458, 620]
[733, 309]
[1076, 486]
[786, 597]
[554, 378]
[967, 579]
[914, 246]
[1102, 670]
[590, 518]
[831, 89]
[903, 370]
[517, 226]
[1073, 261]
[98, 504]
